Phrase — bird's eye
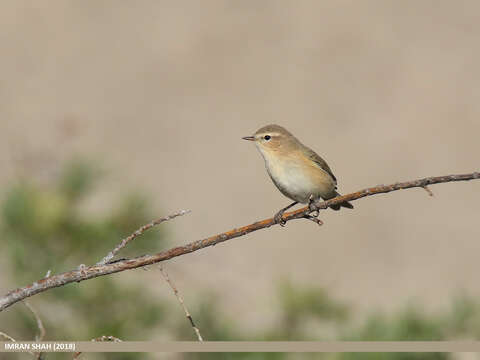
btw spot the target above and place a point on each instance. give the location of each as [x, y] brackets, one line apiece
[267, 137]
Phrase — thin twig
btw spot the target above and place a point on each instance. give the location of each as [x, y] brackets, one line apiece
[106, 338]
[427, 189]
[100, 270]
[99, 339]
[180, 300]
[139, 232]
[41, 328]
[9, 338]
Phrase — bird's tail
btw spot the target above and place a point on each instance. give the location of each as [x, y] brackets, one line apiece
[344, 204]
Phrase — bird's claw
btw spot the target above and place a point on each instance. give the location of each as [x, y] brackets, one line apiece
[278, 218]
[315, 219]
[315, 210]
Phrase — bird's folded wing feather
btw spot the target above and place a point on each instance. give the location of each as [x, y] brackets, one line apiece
[320, 162]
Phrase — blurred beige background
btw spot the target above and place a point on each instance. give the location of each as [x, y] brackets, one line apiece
[162, 91]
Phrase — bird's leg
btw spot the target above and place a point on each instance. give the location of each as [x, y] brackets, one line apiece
[311, 207]
[278, 216]
[313, 218]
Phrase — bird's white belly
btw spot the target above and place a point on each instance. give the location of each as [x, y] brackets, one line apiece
[300, 182]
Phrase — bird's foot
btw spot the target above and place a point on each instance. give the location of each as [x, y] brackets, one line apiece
[278, 218]
[311, 205]
[315, 210]
[315, 219]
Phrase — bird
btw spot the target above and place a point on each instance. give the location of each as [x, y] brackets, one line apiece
[296, 170]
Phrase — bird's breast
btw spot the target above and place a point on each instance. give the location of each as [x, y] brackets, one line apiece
[299, 178]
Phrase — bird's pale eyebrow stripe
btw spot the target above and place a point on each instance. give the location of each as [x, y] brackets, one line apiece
[270, 133]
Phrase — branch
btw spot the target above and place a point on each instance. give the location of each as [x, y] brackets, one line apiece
[180, 300]
[85, 273]
[137, 233]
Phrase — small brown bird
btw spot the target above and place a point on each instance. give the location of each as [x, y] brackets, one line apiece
[297, 171]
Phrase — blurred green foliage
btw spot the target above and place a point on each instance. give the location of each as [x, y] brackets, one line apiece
[48, 228]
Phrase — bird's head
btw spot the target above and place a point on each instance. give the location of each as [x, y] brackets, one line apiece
[273, 139]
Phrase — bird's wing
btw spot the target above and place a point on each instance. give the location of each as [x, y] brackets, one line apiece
[320, 162]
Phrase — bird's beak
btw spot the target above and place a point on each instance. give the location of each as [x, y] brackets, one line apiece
[251, 138]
